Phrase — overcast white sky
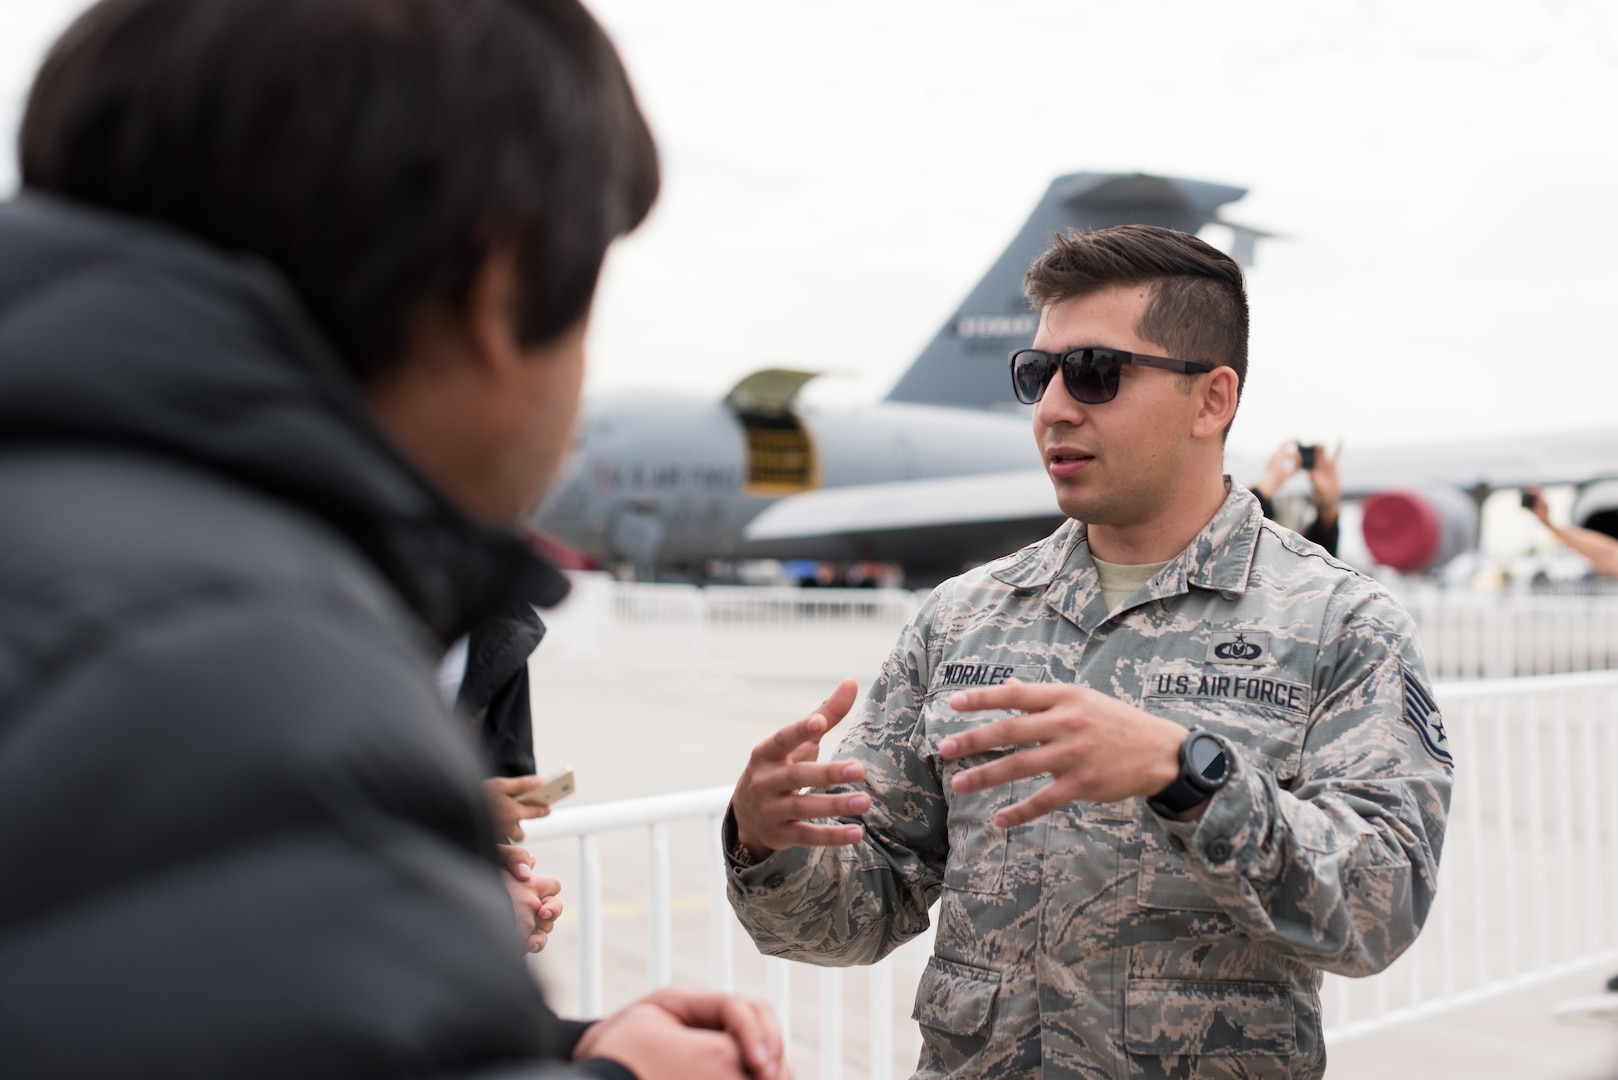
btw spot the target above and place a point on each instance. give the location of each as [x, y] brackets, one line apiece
[840, 172]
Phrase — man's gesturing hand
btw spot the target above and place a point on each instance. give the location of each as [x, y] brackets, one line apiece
[1095, 747]
[772, 810]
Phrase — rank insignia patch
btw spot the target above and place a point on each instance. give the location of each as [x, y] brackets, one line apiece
[1422, 713]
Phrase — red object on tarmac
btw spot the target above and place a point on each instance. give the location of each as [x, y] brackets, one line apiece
[559, 554]
[1403, 530]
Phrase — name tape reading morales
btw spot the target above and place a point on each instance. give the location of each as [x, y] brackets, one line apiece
[959, 676]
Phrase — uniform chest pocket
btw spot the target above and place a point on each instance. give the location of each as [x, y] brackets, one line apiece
[977, 846]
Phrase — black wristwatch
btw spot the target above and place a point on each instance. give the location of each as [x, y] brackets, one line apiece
[1204, 768]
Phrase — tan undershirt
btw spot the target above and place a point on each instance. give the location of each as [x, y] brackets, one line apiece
[1120, 580]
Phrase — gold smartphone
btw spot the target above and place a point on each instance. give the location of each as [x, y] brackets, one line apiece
[556, 786]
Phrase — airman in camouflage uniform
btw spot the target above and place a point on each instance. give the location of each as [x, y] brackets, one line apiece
[1090, 935]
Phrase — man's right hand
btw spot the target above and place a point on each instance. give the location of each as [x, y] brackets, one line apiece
[772, 810]
[676, 1033]
[500, 792]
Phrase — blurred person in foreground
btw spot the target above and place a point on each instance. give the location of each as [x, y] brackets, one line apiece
[292, 317]
[1159, 771]
[1325, 490]
[1598, 547]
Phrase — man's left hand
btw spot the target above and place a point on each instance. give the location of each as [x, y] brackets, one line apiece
[1094, 747]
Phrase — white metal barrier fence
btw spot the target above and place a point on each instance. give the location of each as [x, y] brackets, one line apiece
[1476, 635]
[1529, 889]
[831, 633]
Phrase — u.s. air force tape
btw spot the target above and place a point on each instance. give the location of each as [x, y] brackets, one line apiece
[1212, 685]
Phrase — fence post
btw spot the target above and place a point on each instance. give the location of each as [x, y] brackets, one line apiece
[778, 987]
[721, 954]
[659, 913]
[1503, 810]
[591, 968]
[1562, 776]
[831, 1024]
[881, 1040]
[1591, 813]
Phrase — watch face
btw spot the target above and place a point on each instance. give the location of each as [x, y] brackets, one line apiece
[1208, 759]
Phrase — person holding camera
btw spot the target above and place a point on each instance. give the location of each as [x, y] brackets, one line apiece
[1325, 490]
[1598, 547]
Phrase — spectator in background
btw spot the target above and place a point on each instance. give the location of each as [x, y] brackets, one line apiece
[1325, 491]
[484, 679]
[1598, 547]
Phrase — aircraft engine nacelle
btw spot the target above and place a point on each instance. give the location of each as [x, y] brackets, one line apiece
[1414, 530]
[1597, 508]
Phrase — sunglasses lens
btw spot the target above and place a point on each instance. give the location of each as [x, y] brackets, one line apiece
[1091, 375]
[1031, 372]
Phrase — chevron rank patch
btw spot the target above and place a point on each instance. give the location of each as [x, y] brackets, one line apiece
[1422, 713]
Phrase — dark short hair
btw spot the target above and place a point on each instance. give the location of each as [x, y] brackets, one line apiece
[1198, 306]
[376, 152]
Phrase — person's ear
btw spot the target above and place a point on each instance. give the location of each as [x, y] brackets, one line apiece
[490, 304]
[1218, 402]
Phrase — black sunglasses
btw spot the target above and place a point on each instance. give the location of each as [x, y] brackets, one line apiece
[1089, 374]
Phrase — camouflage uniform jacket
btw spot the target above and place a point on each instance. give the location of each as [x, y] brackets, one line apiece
[1102, 940]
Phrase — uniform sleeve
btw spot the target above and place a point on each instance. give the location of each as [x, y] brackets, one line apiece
[838, 906]
[1338, 867]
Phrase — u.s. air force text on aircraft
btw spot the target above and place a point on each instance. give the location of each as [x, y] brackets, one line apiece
[643, 477]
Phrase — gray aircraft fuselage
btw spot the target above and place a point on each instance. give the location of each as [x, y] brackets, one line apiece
[675, 478]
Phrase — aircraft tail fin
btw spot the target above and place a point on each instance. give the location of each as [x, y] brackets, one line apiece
[965, 363]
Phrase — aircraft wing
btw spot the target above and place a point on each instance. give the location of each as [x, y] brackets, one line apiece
[1508, 461]
[934, 527]
[940, 526]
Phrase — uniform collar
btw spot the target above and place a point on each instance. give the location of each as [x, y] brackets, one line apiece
[1219, 559]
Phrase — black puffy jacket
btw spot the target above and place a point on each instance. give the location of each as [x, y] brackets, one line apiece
[239, 834]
